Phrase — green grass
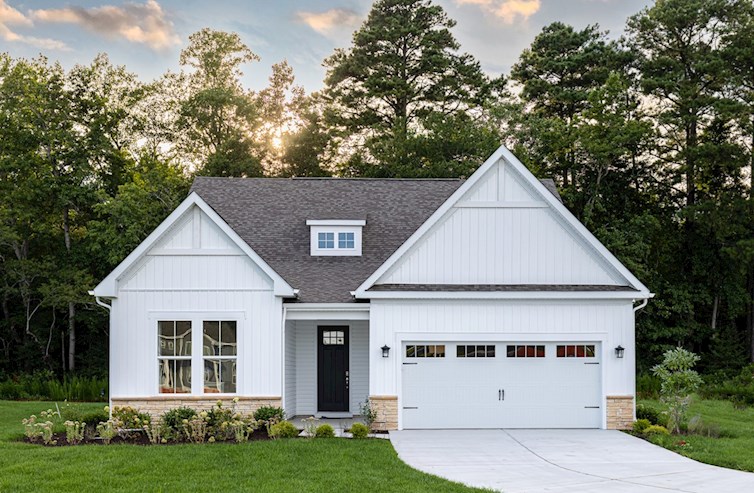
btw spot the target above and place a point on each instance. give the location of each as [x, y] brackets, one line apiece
[326, 465]
[734, 448]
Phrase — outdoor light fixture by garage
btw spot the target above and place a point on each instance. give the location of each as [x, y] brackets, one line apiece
[385, 351]
[619, 352]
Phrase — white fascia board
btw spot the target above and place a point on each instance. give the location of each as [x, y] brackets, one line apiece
[336, 222]
[430, 222]
[327, 311]
[109, 286]
[508, 295]
[565, 214]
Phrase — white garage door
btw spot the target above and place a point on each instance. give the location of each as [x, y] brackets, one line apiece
[501, 385]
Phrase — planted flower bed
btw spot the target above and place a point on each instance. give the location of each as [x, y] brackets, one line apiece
[56, 427]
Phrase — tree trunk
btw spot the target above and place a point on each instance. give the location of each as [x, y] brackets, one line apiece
[715, 305]
[71, 336]
[71, 304]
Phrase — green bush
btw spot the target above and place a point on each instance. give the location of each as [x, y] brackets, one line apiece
[130, 418]
[641, 424]
[359, 430]
[656, 430]
[172, 419]
[268, 413]
[651, 414]
[284, 429]
[74, 412]
[324, 431]
[679, 383]
[43, 385]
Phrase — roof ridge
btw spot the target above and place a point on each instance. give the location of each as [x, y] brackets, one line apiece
[320, 178]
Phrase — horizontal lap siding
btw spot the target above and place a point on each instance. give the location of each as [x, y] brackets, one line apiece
[611, 321]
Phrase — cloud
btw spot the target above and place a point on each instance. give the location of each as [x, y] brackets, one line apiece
[143, 23]
[12, 17]
[330, 22]
[507, 10]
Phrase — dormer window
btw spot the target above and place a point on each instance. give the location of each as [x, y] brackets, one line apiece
[336, 237]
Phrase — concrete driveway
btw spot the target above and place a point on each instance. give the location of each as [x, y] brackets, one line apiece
[561, 461]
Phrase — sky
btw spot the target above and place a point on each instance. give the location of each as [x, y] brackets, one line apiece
[147, 35]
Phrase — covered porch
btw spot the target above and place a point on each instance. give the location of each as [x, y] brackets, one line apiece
[326, 361]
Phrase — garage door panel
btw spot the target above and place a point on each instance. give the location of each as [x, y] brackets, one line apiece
[501, 391]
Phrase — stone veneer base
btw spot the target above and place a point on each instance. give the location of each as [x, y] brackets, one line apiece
[155, 406]
[620, 412]
[386, 407]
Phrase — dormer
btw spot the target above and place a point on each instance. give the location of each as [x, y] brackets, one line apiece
[335, 237]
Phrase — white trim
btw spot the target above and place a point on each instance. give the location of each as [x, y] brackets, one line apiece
[195, 252]
[546, 195]
[108, 287]
[336, 222]
[507, 295]
[502, 205]
[327, 311]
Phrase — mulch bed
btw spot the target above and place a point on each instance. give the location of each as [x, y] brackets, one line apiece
[135, 438]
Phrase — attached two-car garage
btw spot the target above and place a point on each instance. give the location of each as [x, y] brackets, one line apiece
[501, 385]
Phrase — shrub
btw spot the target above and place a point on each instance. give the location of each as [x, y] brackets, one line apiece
[196, 427]
[173, 419]
[698, 427]
[656, 430]
[310, 426]
[43, 385]
[368, 414]
[269, 413]
[283, 429]
[324, 431]
[679, 382]
[129, 418]
[651, 414]
[75, 412]
[641, 424]
[74, 432]
[359, 430]
[107, 430]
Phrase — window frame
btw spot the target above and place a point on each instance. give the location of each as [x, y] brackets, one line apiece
[336, 228]
[174, 358]
[219, 357]
[197, 357]
[517, 348]
[436, 354]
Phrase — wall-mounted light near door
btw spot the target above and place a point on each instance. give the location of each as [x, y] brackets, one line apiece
[619, 351]
[385, 351]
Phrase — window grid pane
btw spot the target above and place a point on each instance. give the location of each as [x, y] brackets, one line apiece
[326, 240]
[174, 356]
[220, 350]
[525, 351]
[576, 351]
[425, 351]
[345, 240]
[475, 351]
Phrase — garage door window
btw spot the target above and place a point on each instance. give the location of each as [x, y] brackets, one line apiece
[576, 351]
[475, 351]
[527, 351]
[425, 351]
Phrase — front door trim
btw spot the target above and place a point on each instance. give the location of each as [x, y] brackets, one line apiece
[333, 369]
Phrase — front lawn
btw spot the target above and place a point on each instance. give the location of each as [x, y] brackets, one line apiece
[734, 448]
[326, 465]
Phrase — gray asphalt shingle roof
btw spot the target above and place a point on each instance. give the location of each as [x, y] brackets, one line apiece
[270, 215]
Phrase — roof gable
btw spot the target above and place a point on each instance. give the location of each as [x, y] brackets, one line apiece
[191, 224]
[502, 227]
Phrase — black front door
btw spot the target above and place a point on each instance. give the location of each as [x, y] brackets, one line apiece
[332, 368]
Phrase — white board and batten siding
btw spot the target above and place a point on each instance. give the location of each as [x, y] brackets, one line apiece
[304, 342]
[195, 272]
[606, 323]
[501, 232]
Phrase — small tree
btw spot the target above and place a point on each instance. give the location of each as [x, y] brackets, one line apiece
[679, 382]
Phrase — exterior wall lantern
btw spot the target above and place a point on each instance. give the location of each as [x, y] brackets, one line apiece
[385, 351]
[619, 351]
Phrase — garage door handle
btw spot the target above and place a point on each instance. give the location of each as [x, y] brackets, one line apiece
[591, 407]
[501, 395]
[410, 363]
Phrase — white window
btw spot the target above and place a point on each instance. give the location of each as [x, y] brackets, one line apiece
[197, 355]
[326, 240]
[336, 237]
[174, 356]
[220, 351]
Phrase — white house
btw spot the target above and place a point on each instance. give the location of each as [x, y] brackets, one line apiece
[481, 303]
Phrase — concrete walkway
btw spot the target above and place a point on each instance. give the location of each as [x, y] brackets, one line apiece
[585, 461]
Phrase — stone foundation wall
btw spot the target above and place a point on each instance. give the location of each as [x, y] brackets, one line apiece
[386, 407]
[620, 412]
[155, 406]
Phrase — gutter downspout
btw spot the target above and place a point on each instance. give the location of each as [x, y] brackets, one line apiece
[100, 302]
[282, 354]
[641, 305]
